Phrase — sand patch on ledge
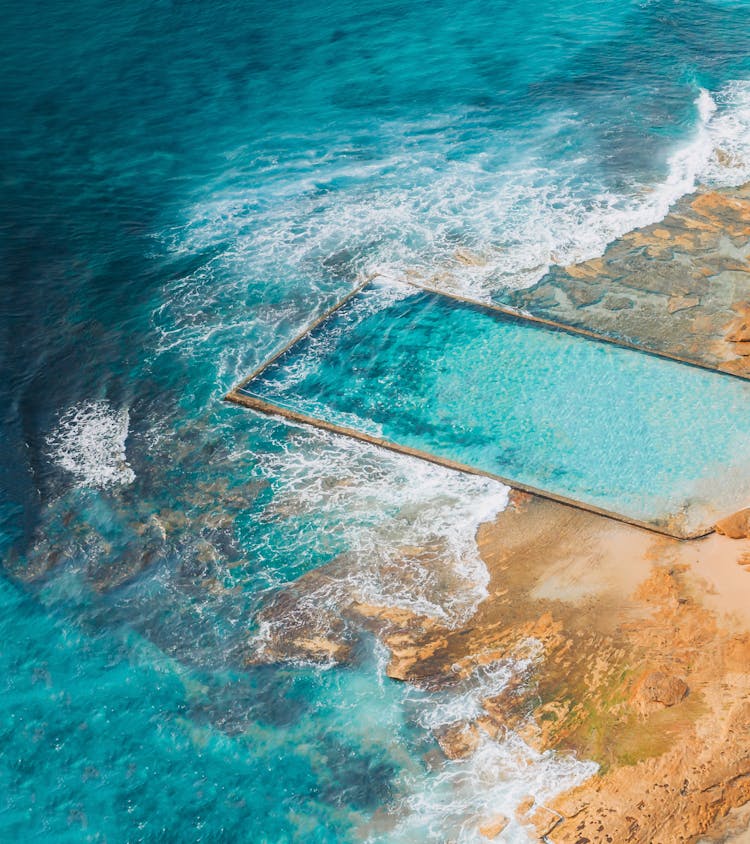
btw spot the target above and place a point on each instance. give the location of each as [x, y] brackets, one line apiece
[603, 562]
[721, 567]
[591, 562]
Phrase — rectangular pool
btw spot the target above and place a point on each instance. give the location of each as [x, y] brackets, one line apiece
[632, 435]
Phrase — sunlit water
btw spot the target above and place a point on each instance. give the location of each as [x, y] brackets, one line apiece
[184, 187]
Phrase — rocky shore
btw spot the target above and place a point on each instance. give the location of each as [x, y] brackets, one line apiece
[641, 662]
[641, 643]
[679, 286]
[635, 647]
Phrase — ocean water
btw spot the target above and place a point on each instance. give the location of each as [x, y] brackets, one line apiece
[185, 186]
[638, 435]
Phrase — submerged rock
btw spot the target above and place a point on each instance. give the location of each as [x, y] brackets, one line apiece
[458, 740]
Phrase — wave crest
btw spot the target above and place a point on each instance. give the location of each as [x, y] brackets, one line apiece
[89, 442]
[472, 223]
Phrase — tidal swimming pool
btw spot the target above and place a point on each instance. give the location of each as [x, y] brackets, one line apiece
[640, 437]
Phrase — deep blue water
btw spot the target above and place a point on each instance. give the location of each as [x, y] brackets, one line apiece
[184, 186]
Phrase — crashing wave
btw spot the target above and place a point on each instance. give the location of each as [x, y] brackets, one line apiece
[89, 442]
[453, 802]
[406, 529]
[471, 224]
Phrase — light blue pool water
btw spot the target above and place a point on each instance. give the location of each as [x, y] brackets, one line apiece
[645, 437]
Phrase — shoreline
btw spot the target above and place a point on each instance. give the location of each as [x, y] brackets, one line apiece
[641, 663]
[646, 639]
[642, 641]
[646, 670]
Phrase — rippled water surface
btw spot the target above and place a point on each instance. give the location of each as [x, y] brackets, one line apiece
[184, 187]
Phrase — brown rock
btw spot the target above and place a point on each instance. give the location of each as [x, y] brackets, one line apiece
[736, 526]
[494, 826]
[544, 820]
[458, 740]
[739, 331]
[742, 348]
[737, 366]
[510, 705]
[727, 159]
[716, 203]
[658, 689]
[737, 653]
[469, 258]
[524, 807]
[681, 303]
[587, 269]
[619, 303]
[321, 648]
[582, 294]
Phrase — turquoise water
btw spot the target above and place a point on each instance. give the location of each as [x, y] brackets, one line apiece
[632, 433]
[186, 186]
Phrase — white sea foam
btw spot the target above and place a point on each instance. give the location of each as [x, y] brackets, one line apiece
[471, 224]
[451, 803]
[405, 528]
[89, 442]
[463, 701]
[543, 220]
[383, 503]
[728, 162]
